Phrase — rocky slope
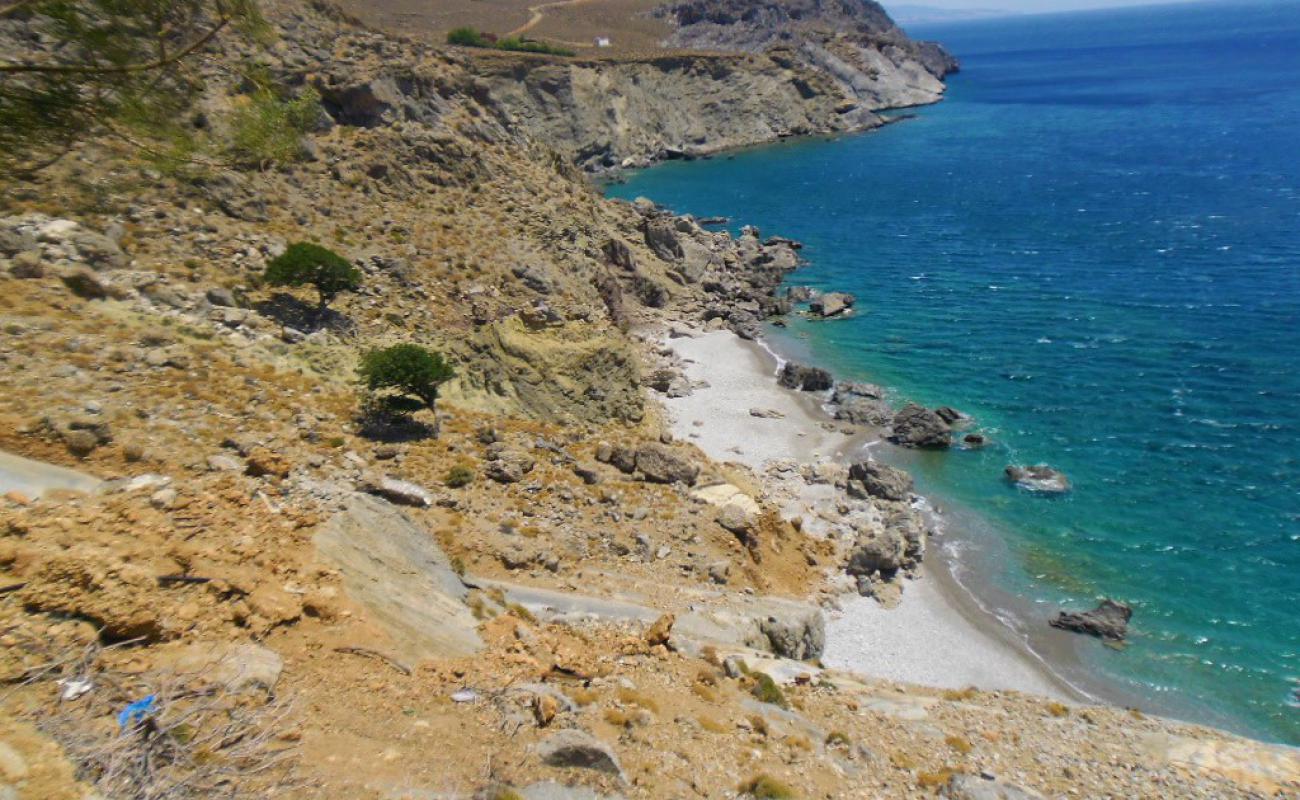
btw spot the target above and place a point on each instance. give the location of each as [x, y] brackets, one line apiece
[321, 611]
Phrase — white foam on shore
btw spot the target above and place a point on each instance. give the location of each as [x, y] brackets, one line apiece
[928, 639]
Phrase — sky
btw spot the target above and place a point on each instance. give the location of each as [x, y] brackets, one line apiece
[1029, 6]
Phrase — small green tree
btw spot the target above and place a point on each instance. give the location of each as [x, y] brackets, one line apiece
[304, 263]
[407, 369]
[467, 37]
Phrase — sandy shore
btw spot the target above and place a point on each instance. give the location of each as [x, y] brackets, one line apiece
[936, 637]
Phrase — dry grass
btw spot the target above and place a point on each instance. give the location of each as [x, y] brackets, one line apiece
[197, 738]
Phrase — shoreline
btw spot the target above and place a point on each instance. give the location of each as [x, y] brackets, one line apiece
[939, 635]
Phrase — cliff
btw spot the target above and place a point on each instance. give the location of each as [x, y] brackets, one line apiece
[622, 113]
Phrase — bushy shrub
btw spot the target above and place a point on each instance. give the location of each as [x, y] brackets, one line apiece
[467, 37]
[304, 263]
[765, 787]
[767, 690]
[530, 46]
[458, 476]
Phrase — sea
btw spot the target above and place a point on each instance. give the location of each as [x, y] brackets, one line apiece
[1091, 247]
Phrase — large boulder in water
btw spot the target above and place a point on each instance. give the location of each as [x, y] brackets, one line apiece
[1109, 620]
[832, 304]
[1039, 478]
[807, 379]
[917, 426]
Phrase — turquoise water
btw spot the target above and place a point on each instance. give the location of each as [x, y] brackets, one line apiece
[1093, 247]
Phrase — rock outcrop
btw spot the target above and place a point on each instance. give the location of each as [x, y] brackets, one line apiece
[394, 569]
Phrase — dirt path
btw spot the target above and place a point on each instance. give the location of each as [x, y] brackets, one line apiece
[536, 13]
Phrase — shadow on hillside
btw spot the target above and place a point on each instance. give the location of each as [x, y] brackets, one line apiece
[290, 312]
[392, 422]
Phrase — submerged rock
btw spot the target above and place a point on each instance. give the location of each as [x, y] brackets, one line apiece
[1109, 620]
[1038, 478]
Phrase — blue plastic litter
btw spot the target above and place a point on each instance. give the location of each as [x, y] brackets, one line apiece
[135, 712]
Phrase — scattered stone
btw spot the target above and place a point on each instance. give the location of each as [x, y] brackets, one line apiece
[575, 748]
[1109, 620]
[224, 463]
[164, 499]
[719, 571]
[916, 426]
[1038, 478]
[766, 413]
[221, 296]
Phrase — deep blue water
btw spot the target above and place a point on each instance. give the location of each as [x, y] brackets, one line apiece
[1093, 247]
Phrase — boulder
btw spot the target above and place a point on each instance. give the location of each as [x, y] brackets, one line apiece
[1109, 620]
[880, 553]
[509, 466]
[396, 491]
[264, 461]
[807, 379]
[237, 667]
[881, 480]
[796, 636]
[575, 748]
[739, 518]
[1038, 478]
[832, 304]
[976, 787]
[916, 426]
[660, 464]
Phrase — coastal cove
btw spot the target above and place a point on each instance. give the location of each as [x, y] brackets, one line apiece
[1090, 247]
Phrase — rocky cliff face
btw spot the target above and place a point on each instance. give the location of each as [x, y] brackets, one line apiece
[626, 113]
[854, 42]
[794, 68]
